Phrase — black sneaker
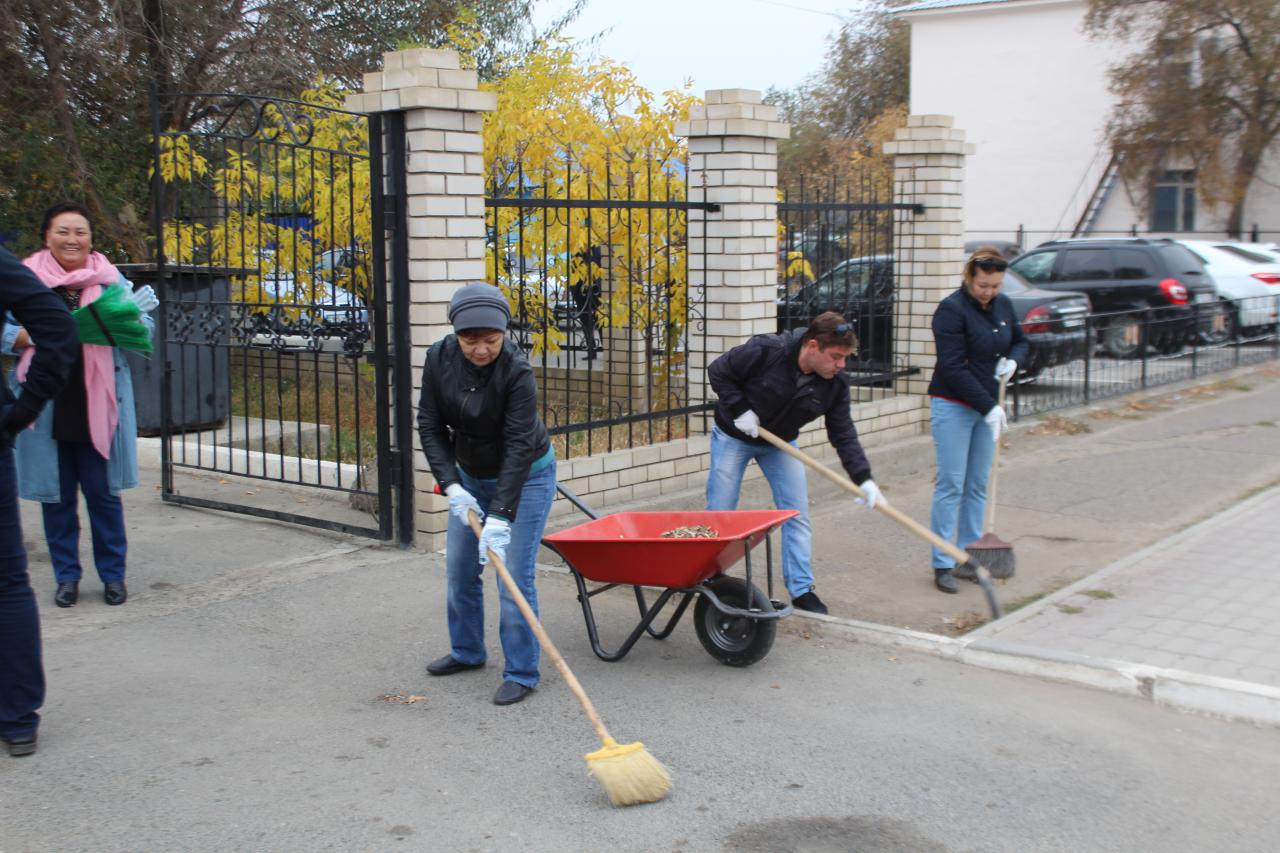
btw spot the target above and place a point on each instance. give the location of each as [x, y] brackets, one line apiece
[810, 602]
[945, 581]
[20, 745]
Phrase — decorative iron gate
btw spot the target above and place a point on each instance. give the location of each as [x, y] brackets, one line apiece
[275, 397]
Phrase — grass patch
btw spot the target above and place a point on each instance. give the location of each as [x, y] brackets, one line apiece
[1265, 423]
[1099, 594]
[1011, 606]
[1070, 609]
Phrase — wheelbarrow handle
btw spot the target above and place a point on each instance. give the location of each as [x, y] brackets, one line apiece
[984, 576]
[543, 638]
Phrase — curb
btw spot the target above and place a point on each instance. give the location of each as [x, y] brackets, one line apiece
[1225, 698]
[1215, 696]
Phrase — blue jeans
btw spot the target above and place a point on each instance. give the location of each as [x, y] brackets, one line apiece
[21, 672]
[963, 447]
[80, 467]
[729, 460]
[466, 589]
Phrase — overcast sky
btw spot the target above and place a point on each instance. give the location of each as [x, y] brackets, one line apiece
[720, 44]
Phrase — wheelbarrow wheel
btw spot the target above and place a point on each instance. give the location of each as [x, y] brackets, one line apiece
[734, 640]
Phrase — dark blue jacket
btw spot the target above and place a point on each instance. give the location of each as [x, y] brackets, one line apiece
[970, 341]
[47, 320]
[763, 375]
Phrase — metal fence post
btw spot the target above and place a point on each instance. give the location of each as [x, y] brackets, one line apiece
[1195, 337]
[1088, 352]
[1144, 333]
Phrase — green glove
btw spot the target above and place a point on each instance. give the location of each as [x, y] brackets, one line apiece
[113, 320]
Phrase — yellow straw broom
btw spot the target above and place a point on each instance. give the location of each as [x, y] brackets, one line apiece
[629, 774]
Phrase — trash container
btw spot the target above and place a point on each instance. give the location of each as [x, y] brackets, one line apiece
[197, 302]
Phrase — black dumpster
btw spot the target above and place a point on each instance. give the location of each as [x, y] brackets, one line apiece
[197, 306]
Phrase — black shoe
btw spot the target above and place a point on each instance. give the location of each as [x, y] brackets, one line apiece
[448, 666]
[115, 593]
[23, 745]
[67, 594]
[810, 602]
[945, 581]
[964, 572]
[510, 693]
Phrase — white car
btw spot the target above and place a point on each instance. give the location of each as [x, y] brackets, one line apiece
[1245, 274]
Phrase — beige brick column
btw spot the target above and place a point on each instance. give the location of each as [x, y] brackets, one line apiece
[733, 162]
[929, 252]
[443, 110]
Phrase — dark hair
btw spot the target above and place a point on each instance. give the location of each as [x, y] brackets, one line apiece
[829, 329]
[59, 209]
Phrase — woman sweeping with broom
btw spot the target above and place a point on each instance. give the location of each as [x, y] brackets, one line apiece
[491, 454]
[86, 440]
[979, 343]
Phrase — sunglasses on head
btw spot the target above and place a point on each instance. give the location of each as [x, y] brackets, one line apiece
[991, 265]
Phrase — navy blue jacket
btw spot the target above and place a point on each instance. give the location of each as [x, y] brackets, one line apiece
[970, 341]
[763, 375]
[47, 320]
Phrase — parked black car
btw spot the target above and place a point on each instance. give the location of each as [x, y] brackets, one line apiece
[1130, 283]
[862, 290]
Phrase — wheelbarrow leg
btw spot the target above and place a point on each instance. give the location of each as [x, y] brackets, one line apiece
[584, 597]
[671, 623]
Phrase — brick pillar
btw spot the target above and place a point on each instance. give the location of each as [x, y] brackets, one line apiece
[443, 110]
[733, 162]
[928, 158]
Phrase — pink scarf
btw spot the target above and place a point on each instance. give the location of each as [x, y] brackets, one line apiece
[99, 367]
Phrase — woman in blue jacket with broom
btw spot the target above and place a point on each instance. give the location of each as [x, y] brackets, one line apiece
[979, 340]
[86, 440]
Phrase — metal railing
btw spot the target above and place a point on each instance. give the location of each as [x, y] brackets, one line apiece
[1129, 352]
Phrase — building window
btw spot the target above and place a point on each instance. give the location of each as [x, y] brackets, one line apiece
[1173, 202]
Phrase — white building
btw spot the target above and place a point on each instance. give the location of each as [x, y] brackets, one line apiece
[1030, 90]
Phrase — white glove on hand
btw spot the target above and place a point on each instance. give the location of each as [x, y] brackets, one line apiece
[1006, 367]
[872, 493]
[145, 298]
[495, 537]
[996, 422]
[461, 502]
[748, 423]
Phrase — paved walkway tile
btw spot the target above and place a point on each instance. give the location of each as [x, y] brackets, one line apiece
[1207, 601]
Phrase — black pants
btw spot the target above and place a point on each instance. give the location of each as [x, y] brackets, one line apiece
[21, 670]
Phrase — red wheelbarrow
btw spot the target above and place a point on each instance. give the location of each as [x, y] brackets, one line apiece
[734, 620]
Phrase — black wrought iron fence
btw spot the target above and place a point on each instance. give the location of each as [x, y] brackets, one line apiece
[1128, 352]
[836, 253]
[595, 264]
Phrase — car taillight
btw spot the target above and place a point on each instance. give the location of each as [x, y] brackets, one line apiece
[1174, 290]
[1037, 320]
[1267, 277]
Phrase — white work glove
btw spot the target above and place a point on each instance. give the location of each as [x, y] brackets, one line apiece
[872, 495]
[1006, 367]
[996, 421]
[461, 502]
[748, 423]
[145, 298]
[495, 537]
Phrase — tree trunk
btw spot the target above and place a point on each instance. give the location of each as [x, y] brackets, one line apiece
[1251, 151]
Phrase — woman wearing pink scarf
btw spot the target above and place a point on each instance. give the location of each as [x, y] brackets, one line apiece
[86, 441]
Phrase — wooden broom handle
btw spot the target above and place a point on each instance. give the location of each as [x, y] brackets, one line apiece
[545, 640]
[989, 514]
[883, 506]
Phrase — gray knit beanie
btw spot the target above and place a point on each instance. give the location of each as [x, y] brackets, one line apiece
[479, 306]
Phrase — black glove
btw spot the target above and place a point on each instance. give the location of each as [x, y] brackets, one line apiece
[20, 415]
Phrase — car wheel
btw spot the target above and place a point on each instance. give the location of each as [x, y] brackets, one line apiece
[1217, 324]
[1122, 336]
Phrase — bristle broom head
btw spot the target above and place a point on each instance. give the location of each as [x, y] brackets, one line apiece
[629, 774]
[994, 553]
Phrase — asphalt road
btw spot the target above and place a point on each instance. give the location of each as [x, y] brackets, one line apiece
[238, 703]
